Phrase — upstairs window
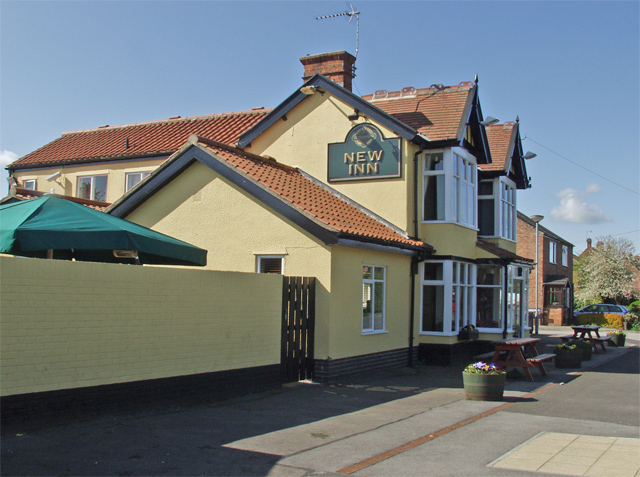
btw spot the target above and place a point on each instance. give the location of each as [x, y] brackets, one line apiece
[92, 187]
[134, 178]
[553, 252]
[497, 213]
[565, 256]
[270, 264]
[449, 191]
[29, 184]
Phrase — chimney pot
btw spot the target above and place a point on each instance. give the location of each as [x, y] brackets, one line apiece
[338, 66]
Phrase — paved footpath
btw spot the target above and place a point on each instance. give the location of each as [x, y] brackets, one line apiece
[415, 422]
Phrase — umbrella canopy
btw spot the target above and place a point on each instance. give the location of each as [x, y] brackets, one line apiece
[31, 227]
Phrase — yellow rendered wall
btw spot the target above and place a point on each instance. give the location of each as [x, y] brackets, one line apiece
[450, 239]
[67, 183]
[75, 324]
[302, 141]
[502, 243]
[205, 210]
[346, 337]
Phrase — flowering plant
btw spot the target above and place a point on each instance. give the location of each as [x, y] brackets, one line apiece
[484, 368]
[615, 332]
[469, 328]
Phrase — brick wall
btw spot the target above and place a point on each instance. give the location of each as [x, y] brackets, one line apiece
[72, 324]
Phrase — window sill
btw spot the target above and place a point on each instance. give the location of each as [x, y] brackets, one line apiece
[438, 333]
[466, 226]
[376, 332]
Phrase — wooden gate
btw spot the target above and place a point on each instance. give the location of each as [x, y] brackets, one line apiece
[298, 323]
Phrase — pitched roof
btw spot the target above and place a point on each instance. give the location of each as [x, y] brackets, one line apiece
[149, 139]
[307, 202]
[506, 153]
[437, 112]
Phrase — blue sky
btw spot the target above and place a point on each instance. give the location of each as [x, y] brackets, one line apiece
[569, 70]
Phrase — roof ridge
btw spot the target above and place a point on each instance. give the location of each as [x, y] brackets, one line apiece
[411, 92]
[175, 119]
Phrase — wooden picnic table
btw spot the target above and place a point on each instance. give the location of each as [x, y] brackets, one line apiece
[521, 353]
[587, 332]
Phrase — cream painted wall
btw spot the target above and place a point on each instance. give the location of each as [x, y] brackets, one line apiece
[450, 239]
[302, 141]
[67, 183]
[346, 337]
[76, 324]
[205, 210]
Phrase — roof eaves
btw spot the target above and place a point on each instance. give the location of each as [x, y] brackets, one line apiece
[366, 108]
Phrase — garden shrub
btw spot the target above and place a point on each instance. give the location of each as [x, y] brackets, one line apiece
[634, 307]
[608, 320]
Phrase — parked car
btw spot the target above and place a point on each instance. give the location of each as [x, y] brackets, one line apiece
[602, 308]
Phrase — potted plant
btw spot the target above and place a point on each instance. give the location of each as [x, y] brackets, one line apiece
[468, 332]
[483, 382]
[617, 338]
[568, 356]
[585, 347]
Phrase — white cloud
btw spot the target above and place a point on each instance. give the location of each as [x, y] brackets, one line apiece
[6, 158]
[574, 207]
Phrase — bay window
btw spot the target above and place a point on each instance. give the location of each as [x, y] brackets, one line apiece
[497, 208]
[489, 303]
[448, 296]
[449, 192]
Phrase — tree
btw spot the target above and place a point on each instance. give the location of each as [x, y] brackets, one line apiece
[609, 271]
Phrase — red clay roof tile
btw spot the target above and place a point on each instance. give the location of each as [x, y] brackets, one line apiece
[500, 140]
[317, 201]
[154, 138]
[435, 112]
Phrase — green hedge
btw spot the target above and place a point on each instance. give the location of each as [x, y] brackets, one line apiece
[608, 320]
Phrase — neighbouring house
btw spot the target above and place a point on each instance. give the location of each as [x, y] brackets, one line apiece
[552, 280]
[380, 198]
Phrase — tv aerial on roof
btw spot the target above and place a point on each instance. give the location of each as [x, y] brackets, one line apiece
[350, 14]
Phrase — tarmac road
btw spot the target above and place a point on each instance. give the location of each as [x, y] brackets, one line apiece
[413, 422]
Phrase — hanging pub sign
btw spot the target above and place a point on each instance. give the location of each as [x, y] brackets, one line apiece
[365, 154]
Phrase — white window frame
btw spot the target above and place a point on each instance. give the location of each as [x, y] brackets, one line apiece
[92, 191]
[553, 252]
[565, 256]
[141, 174]
[457, 184]
[369, 284]
[517, 311]
[29, 184]
[260, 258]
[500, 287]
[459, 284]
[508, 214]
[488, 198]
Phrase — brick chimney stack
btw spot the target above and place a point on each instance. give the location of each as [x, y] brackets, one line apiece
[588, 243]
[338, 66]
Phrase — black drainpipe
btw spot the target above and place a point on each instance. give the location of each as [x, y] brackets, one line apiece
[505, 298]
[416, 259]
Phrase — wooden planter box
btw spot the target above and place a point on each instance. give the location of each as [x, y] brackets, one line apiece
[483, 387]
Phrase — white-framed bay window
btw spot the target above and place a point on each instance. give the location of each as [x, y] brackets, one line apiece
[490, 305]
[373, 299]
[518, 298]
[449, 187]
[448, 296]
[497, 208]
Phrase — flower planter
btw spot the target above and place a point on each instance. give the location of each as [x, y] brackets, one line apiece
[569, 360]
[617, 339]
[464, 335]
[483, 387]
[585, 347]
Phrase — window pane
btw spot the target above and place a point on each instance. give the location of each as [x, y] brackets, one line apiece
[100, 188]
[84, 187]
[434, 162]
[433, 203]
[270, 265]
[432, 308]
[433, 271]
[489, 307]
[29, 185]
[366, 272]
[378, 311]
[378, 273]
[486, 214]
[489, 276]
[486, 188]
[367, 311]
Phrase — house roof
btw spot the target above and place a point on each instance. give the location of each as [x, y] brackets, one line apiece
[438, 113]
[543, 229]
[506, 153]
[300, 198]
[130, 141]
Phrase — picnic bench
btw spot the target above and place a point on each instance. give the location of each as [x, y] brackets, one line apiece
[587, 333]
[521, 353]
